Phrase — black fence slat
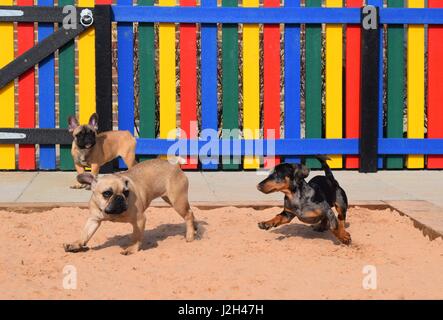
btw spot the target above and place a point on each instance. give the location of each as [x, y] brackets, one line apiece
[103, 72]
[370, 59]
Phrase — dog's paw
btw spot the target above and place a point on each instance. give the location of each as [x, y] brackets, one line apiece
[74, 247]
[345, 238]
[264, 226]
[127, 252]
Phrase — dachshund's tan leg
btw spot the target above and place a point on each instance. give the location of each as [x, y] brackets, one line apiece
[339, 229]
[278, 220]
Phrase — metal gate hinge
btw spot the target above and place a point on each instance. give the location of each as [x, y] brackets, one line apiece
[12, 135]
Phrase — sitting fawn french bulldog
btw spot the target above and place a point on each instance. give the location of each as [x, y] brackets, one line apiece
[125, 196]
[92, 149]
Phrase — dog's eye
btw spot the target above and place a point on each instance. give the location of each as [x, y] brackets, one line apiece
[107, 194]
[126, 193]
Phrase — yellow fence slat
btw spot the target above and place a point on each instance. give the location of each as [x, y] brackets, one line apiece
[416, 84]
[86, 72]
[334, 100]
[7, 152]
[167, 76]
[251, 85]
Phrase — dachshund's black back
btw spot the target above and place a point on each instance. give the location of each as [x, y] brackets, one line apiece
[332, 192]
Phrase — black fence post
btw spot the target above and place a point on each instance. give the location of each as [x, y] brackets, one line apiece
[103, 71]
[370, 50]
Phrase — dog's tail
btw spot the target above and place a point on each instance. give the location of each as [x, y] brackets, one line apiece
[325, 167]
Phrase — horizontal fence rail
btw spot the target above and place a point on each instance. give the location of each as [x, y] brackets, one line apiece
[304, 147]
[271, 15]
[33, 14]
[316, 93]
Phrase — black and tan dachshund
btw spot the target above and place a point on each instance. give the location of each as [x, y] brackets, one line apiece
[311, 202]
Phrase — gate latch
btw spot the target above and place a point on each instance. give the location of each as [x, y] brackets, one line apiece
[86, 18]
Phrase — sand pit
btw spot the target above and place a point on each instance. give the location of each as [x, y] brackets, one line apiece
[232, 260]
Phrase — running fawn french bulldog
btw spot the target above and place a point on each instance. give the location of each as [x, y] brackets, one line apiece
[125, 196]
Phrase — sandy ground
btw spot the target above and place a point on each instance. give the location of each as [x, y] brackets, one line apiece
[233, 259]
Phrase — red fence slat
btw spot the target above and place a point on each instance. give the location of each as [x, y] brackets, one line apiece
[271, 68]
[352, 105]
[435, 85]
[26, 92]
[188, 81]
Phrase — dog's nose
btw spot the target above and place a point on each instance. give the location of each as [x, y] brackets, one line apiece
[119, 198]
[117, 206]
[259, 187]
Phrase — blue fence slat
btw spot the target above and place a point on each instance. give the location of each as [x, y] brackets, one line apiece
[292, 80]
[125, 56]
[46, 94]
[209, 80]
[300, 147]
[272, 15]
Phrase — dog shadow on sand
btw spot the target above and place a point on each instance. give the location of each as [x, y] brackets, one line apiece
[304, 231]
[153, 236]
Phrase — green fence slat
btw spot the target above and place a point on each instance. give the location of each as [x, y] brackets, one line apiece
[313, 82]
[230, 84]
[66, 73]
[395, 85]
[146, 54]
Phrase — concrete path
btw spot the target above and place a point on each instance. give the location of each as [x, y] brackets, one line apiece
[233, 187]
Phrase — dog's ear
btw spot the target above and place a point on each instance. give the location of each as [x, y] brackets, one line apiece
[72, 123]
[303, 171]
[300, 171]
[87, 178]
[93, 121]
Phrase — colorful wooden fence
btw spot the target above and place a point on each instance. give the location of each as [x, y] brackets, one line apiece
[310, 85]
